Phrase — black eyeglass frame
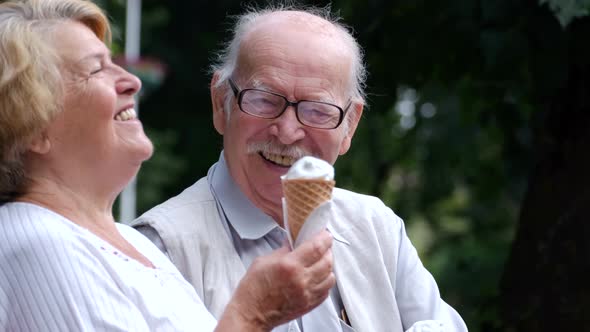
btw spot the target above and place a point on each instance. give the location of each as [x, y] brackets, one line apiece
[239, 94]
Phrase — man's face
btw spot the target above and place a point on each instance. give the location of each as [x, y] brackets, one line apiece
[300, 65]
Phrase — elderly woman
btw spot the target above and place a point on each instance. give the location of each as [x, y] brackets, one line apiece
[70, 141]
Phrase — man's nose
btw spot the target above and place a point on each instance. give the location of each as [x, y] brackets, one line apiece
[286, 128]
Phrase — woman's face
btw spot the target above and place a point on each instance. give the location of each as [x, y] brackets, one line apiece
[98, 135]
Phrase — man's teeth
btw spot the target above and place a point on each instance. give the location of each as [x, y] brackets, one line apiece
[278, 159]
[128, 114]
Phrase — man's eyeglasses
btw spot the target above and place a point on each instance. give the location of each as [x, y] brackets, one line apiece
[269, 105]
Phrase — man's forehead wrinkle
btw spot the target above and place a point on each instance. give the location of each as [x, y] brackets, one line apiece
[270, 57]
[296, 80]
[283, 72]
[278, 44]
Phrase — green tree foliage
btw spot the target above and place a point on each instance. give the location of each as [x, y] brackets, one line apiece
[567, 10]
[457, 105]
[456, 177]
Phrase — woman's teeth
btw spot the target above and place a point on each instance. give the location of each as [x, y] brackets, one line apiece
[128, 114]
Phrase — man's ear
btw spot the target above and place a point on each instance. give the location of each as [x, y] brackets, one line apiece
[218, 101]
[354, 116]
[40, 144]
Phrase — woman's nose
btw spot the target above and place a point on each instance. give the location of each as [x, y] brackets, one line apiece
[128, 84]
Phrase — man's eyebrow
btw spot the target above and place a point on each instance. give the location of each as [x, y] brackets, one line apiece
[256, 84]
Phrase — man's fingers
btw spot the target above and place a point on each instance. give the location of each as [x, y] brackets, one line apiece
[322, 268]
[313, 250]
[282, 251]
[321, 290]
[321, 276]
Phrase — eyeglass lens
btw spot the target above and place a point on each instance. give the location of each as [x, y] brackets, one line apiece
[269, 105]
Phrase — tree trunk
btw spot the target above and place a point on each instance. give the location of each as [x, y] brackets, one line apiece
[546, 281]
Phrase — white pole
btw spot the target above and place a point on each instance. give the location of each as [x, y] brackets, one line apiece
[128, 198]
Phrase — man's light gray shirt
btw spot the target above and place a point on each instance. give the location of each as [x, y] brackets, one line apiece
[383, 285]
[253, 232]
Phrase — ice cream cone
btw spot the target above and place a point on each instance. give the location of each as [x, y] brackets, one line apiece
[303, 196]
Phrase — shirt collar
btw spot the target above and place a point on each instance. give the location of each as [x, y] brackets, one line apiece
[248, 221]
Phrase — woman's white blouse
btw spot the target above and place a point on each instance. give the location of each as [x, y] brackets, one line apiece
[57, 276]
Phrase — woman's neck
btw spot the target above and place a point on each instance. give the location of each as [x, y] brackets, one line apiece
[79, 205]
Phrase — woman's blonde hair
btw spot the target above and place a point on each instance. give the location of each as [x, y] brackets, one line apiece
[31, 90]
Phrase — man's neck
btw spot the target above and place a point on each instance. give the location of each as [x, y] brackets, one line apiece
[274, 211]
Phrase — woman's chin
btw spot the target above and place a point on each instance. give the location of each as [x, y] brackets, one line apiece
[147, 151]
[140, 148]
[140, 156]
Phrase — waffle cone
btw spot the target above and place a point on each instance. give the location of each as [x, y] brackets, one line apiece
[303, 196]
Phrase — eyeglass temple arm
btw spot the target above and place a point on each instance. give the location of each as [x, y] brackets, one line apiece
[233, 87]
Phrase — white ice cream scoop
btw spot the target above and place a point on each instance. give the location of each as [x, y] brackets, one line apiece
[310, 168]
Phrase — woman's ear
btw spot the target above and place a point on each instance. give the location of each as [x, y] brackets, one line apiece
[40, 144]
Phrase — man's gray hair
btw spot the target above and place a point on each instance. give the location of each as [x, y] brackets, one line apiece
[226, 60]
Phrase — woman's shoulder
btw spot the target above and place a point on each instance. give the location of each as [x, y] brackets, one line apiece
[31, 235]
[35, 242]
[32, 226]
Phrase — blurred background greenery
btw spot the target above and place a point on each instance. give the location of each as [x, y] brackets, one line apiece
[474, 134]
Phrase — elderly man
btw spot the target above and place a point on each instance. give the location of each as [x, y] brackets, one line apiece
[290, 84]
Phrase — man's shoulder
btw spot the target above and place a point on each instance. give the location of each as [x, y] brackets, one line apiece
[190, 198]
[198, 192]
[361, 211]
[345, 194]
[353, 201]
[180, 212]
